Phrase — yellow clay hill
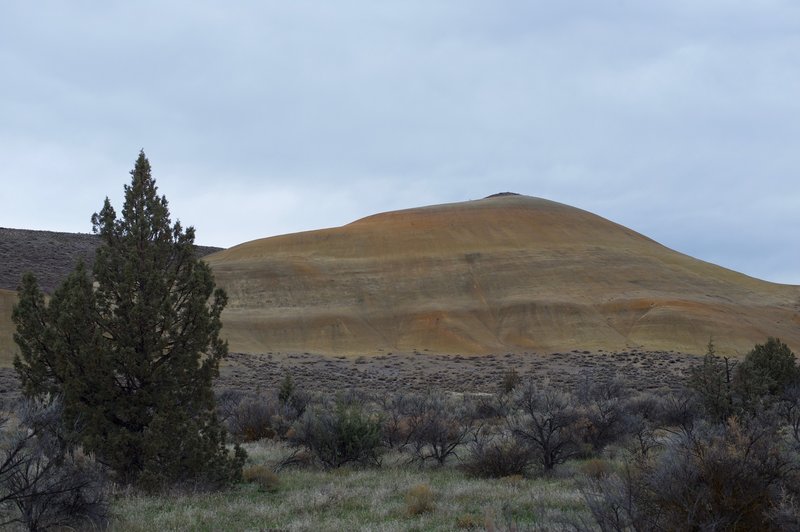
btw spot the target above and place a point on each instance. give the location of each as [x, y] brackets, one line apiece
[504, 274]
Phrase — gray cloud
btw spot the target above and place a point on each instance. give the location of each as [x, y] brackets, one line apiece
[677, 119]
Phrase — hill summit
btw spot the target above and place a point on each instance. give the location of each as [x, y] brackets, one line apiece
[507, 273]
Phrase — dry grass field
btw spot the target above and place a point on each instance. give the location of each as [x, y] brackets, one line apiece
[395, 497]
[398, 496]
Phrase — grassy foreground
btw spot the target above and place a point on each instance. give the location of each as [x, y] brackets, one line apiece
[394, 497]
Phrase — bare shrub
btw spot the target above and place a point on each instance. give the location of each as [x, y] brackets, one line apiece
[254, 418]
[496, 455]
[679, 412]
[438, 425]
[264, 416]
[726, 477]
[227, 401]
[298, 458]
[592, 387]
[46, 482]
[397, 428]
[788, 409]
[730, 475]
[615, 503]
[493, 408]
[603, 409]
[547, 420]
[642, 422]
[785, 514]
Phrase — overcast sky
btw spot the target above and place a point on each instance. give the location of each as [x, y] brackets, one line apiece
[677, 118]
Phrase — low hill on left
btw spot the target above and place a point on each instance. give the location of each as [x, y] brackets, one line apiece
[7, 347]
[51, 256]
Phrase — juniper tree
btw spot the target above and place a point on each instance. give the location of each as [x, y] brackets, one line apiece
[766, 371]
[133, 347]
[712, 379]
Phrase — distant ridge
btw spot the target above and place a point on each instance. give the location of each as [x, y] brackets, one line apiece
[50, 255]
[507, 273]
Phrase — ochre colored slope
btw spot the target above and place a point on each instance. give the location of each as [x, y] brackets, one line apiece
[7, 345]
[509, 273]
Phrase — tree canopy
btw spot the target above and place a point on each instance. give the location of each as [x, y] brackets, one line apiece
[133, 346]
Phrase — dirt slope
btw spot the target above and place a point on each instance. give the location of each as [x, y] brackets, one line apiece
[508, 273]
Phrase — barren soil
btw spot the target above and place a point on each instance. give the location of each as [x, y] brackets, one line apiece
[651, 371]
[644, 371]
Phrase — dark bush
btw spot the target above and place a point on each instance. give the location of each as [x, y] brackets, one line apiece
[511, 379]
[726, 388]
[438, 426]
[712, 380]
[286, 389]
[339, 434]
[765, 372]
[291, 397]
